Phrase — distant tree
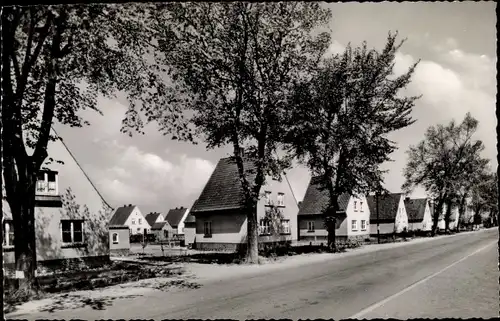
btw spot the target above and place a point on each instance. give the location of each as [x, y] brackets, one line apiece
[440, 161]
[340, 120]
[485, 197]
[56, 60]
[232, 66]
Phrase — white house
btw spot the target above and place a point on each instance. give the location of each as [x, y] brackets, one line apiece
[176, 217]
[419, 214]
[131, 216]
[391, 216]
[353, 215]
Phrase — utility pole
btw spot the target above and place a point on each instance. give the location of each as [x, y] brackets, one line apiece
[378, 220]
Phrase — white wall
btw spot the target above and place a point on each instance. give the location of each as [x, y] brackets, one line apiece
[180, 227]
[137, 228]
[427, 221]
[401, 216]
[291, 208]
[358, 213]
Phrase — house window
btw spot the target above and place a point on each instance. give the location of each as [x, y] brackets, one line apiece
[354, 225]
[361, 206]
[264, 227]
[207, 228]
[72, 231]
[355, 208]
[133, 222]
[114, 237]
[267, 198]
[140, 221]
[8, 233]
[139, 229]
[363, 225]
[165, 233]
[310, 226]
[46, 183]
[281, 199]
[285, 226]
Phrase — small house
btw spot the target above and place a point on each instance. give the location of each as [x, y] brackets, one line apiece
[419, 214]
[221, 222]
[71, 215]
[119, 240]
[176, 217]
[387, 213]
[131, 216]
[353, 215]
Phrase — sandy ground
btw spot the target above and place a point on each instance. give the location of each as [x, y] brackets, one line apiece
[195, 275]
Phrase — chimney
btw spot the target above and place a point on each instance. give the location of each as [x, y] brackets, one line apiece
[129, 204]
[407, 198]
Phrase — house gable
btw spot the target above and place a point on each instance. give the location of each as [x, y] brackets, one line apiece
[401, 221]
[388, 207]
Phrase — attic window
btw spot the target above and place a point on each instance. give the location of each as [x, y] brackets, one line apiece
[281, 199]
[355, 207]
[46, 183]
[267, 198]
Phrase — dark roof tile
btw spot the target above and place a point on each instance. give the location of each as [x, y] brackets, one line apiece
[388, 206]
[174, 216]
[415, 208]
[158, 226]
[121, 215]
[223, 189]
[151, 218]
[316, 200]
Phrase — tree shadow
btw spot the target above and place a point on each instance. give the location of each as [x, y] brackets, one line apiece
[74, 301]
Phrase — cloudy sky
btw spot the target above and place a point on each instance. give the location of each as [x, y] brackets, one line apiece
[456, 43]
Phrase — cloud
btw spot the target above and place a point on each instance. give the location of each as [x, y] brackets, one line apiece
[453, 83]
[334, 48]
[150, 181]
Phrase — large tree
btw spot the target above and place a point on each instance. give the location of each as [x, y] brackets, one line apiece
[342, 118]
[56, 60]
[232, 66]
[441, 161]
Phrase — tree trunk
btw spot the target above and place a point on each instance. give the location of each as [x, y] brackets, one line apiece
[252, 236]
[437, 212]
[23, 213]
[447, 216]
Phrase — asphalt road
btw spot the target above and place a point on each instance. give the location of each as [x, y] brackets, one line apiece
[446, 277]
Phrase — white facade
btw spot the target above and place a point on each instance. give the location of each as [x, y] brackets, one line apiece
[358, 216]
[180, 227]
[401, 221]
[137, 223]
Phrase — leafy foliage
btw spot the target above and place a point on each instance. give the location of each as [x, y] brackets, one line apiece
[56, 62]
[233, 66]
[447, 163]
[343, 115]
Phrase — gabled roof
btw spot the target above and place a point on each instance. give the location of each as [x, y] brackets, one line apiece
[174, 216]
[121, 215]
[158, 226]
[387, 205]
[151, 218]
[316, 200]
[223, 190]
[415, 208]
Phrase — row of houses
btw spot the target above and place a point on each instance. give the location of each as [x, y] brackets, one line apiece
[73, 221]
[221, 224]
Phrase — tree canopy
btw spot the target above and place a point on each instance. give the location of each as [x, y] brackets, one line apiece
[56, 61]
[233, 67]
[446, 162]
[340, 119]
